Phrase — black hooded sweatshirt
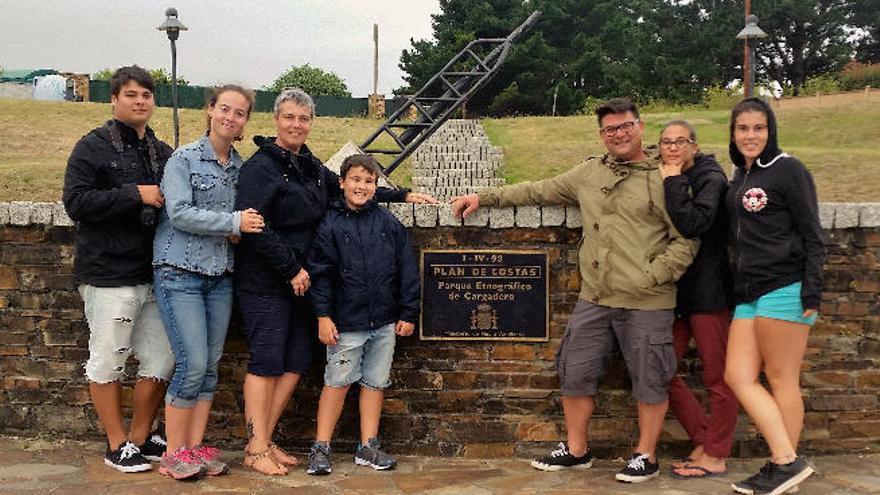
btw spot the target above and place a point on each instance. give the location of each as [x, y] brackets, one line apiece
[774, 222]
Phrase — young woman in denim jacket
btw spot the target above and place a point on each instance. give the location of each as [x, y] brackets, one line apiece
[193, 262]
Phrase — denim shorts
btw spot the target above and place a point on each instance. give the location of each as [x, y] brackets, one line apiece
[364, 357]
[281, 332]
[644, 337]
[781, 304]
[195, 309]
[122, 321]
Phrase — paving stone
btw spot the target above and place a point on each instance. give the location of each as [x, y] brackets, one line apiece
[846, 215]
[528, 216]
[501, 218]
[552, 216]
[4, 213]
[425, 215]
[59, 216]
[869, 215]
[479, 218]
[826, 215]
[41, 213]
[403, 212]
[573, 217]
[445, 216]
[20, 213]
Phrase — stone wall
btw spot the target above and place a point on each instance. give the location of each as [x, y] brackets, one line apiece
[474, 399]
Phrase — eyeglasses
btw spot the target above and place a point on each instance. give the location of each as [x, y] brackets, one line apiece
[611, 130]
[678, 143]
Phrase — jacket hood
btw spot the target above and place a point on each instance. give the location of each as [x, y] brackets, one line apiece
[340, 206]
[649, 163]
[772, 150]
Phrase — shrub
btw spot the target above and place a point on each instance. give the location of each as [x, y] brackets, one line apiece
[856, 76]
[823, 84]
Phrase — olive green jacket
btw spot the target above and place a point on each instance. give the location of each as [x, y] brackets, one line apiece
[630, 254]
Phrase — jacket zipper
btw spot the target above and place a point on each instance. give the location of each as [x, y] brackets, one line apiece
[739, 225]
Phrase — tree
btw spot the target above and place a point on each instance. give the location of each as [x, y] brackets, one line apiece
[312, 80]
[868, 47]
[160, 76]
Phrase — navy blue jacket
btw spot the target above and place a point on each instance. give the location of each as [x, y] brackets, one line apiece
[363, 270]
[292, 192]
[695, 203]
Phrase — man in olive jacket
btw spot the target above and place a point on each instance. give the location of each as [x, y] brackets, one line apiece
[629, 259]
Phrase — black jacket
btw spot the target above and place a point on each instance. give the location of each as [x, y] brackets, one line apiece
[695, 202]
[292, 192]
[363, 271]
[114, 229]
[774, 225]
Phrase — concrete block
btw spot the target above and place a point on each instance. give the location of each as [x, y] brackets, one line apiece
[573, 217]
[846, 215]
[552, 216]
[501, 218]
[528, 216]
[425, 215]
[403, 212]
[4, 213]
[869, 215]
[59, 216]
[20, 213]
[479, 218]
[41, 213]
[826, 215]
[446, 219]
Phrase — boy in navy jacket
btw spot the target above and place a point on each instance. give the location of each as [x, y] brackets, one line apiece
[365, 292]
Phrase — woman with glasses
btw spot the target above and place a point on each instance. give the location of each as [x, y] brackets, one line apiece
[778, 255]
[694, 186]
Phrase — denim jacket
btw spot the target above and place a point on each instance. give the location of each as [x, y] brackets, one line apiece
[198, 213]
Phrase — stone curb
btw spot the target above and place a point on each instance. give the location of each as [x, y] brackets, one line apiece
[831, 215]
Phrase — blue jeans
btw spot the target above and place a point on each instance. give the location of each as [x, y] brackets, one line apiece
[363, 357]
[195, 309]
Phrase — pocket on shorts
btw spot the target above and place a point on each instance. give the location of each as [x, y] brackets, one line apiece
[560, 355]
[660, 362]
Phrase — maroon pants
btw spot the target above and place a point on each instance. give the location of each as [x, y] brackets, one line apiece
[715, 432]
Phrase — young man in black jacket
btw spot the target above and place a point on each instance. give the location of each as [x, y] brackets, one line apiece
[111, 191]
[365, 291]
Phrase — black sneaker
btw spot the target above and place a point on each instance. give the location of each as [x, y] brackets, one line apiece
[153, 447]
[775, 479]
[127, 459]
[638, 469]
[561, 458]
[319, 459]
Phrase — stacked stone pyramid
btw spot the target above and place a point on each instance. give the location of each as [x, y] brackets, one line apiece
[457, 159]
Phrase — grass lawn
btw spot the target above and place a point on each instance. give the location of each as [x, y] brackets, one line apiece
[835, 136]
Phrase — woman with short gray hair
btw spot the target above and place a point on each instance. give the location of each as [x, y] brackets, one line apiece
[292, 189]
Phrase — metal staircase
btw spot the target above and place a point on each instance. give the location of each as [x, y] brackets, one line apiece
[443, 95]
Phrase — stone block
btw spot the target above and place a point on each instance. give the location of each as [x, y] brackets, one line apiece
[479, 218]
[20, 213]
[41, 213]
[425, 215]
[573, 217]
[4, 213]
[446, 219]
[59, 216]
[528, 216]
[869, 215]
[552, 216]
[501, 218]
[826, 215]
[843, 402]
[846, 215]
[403, 212]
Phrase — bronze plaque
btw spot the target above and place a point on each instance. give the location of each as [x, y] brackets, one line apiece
[484, 295]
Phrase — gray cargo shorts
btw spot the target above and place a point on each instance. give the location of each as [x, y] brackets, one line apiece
[645, 339]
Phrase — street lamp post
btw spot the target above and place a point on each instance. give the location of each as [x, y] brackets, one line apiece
[172, 27]
[750, 34]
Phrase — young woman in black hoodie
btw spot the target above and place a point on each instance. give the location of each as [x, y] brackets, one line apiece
[778, 254]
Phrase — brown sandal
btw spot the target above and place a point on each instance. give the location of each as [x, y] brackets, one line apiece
[251, 459]
[282, 456]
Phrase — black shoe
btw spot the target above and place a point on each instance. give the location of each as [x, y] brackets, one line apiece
[638, 469]
[561, 458]
[775, 479]
[127, 459]
[319, 459]
[153, 447]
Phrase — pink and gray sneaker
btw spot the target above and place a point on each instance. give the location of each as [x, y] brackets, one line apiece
[210, 457]
[182, 464]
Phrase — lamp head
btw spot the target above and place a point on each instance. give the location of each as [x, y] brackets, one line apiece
[172, 25]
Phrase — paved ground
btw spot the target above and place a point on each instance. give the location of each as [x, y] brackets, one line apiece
[40, 467]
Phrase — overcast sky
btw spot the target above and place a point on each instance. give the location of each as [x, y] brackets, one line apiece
[249, 42]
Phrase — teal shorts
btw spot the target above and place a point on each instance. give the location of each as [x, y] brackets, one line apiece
[781, 304]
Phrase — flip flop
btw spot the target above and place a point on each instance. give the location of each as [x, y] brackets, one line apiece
[681, 462]
[703, 473]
